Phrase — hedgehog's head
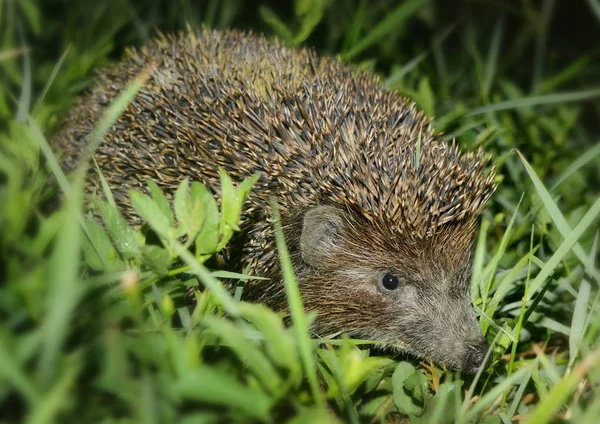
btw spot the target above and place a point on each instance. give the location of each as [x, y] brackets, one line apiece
[375, 285]
[402, 278]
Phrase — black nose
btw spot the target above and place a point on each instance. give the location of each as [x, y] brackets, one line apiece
[475, 356]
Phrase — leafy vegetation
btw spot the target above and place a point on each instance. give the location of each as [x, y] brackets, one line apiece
[96, 325]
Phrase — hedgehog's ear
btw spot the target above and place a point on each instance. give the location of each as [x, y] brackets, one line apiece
[321, 234]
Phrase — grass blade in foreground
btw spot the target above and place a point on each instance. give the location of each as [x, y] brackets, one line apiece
[65, 290]
[296, 308]
[562, 390]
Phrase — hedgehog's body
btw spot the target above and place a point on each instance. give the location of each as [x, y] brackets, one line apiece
[369, 196]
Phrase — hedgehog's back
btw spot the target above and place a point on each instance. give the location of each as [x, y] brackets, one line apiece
[316, 129]
[225, 98]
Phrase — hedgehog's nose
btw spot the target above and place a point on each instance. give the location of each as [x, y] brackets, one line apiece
[475, 356]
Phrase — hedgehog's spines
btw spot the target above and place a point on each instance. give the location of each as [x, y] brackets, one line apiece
[317, 129]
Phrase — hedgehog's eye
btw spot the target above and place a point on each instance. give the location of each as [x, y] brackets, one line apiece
[389, 282]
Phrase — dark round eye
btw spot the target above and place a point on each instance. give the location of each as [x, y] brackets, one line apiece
[389, 281]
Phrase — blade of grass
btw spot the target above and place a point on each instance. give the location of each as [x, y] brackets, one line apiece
[104, 184]
[50, 158]
[561, 392]
[387, 25]
[579, 163]
[595, 6]
[589, 324]
[521, 317]
[492, 59]
[558, 218]
[65, 289]
[414, 62]
[503, 287]
[248, 352]
[519, 395]
[580, 316]
[26, 87]
[579, 320]
[11, 53]
[49, 408]
[571, 71]
[477, 269]
[469, 394]
[541, 40]
[296, 309]
[53, 74]
[12, 372]
[548, 99]
[356, 25]
[489, 398]
[206, 278]
[566, 246]
[276, 24]
[400, 73]
[493, 266]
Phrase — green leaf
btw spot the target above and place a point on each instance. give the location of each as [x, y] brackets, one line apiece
[417, 385]
[123, 236]
[216, 387]
[151, 212]
[403, 399]
[247, 351]
[182, 206]
[279, 343]
[207, 239]
[157, 259]
[100, 254]
[244, 188]
[356, 369]
[441, 408]
[229, 204]
[161, 200]
[215, 286]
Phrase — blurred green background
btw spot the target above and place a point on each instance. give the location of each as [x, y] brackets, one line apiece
[89, 337]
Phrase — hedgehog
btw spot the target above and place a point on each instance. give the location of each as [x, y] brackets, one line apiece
[379, 213]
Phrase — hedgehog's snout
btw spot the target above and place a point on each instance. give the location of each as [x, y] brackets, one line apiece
[477, 351]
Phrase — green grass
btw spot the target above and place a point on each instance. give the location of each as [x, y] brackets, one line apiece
[94, 324]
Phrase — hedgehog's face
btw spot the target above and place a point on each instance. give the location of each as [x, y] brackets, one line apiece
[371, 285]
